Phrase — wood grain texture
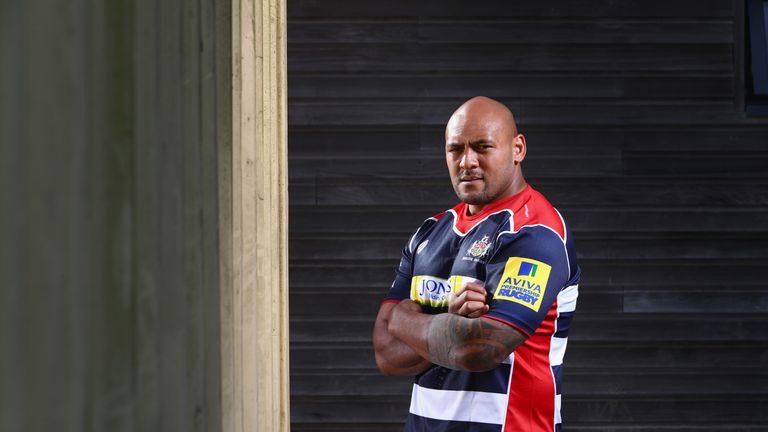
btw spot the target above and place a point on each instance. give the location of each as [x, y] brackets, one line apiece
[253, 211]
[636, 133]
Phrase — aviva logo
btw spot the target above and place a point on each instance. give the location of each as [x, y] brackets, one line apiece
[434, 291]
[524, 281]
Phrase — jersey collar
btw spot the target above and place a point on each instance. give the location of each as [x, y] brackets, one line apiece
[465, 222]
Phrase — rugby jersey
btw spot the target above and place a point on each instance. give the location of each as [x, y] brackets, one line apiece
[522, 250]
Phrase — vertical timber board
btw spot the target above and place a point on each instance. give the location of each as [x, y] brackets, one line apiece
[109, 221]
[111, 401]
[11, 156]
[148, 262]
[176, 315]
[253, 200]
[216, 120]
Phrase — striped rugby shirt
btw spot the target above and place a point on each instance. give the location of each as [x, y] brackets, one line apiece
[522, 250]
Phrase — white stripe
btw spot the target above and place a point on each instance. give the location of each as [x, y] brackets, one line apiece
[558, 419]
[553, 347]
[565, 231]
[511, 359]
[566, 299]
[557, 350]
[456, 220]
[454, 405]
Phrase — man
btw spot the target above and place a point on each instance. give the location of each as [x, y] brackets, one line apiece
[483, 298]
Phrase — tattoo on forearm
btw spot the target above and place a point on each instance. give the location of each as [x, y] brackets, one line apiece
[457, 342]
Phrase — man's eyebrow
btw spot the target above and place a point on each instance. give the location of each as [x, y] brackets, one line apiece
[481, 141]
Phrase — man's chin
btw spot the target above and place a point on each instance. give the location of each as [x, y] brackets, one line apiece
[477, 198]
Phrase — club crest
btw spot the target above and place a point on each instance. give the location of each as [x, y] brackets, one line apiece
[479, 247]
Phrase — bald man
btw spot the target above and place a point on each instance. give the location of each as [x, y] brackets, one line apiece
[485, 292]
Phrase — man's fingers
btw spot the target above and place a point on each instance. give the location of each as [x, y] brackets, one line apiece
[473, 309]
[468, 287]
[474, 296]
[478, 312]
[473, 287]
[469, 300]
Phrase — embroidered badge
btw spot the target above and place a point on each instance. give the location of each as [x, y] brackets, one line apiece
[479, 247]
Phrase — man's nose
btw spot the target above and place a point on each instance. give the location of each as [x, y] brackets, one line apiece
[468, 160]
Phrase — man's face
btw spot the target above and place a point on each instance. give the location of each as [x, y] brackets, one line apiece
[479, 153]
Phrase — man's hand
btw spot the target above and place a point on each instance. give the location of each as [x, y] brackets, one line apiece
[469, 301]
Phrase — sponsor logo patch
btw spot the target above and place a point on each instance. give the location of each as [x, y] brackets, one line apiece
[524, 281]
[436, 292]
[431, 291]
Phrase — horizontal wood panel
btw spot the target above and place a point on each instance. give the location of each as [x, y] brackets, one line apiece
[716, 272]
[626, 327]
[727, 300]
[579, 356]
[424, 197]
[639, 163]
[607, 411]
[608, 246]
[542, 139]
[421, 88]
[514, 31]
[442, 58]
[590, 383]
[532, 113]
[687, 9]
[628, 221]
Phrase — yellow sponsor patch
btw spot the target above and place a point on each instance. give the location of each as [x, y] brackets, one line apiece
[434, 291]
[524, 281]
[431, 291]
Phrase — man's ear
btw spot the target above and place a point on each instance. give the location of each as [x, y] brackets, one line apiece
[519, 148]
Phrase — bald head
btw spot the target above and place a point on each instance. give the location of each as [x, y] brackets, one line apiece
[483, 112]
[484, 151]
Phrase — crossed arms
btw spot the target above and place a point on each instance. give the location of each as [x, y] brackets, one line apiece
[407, 341]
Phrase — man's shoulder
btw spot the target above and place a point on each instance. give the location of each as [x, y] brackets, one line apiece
[539, 212]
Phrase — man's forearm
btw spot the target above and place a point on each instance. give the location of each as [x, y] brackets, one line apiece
[454, 341]
[393, 356]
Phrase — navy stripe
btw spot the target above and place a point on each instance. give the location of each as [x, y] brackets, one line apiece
[564, 324]
[559, 427]
[557, 371]
[492, 381]
[422, 424]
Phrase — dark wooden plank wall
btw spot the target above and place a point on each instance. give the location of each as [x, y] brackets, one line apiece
[635, 130]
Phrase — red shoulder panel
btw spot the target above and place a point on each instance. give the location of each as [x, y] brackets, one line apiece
[538, 211]
[438, 216]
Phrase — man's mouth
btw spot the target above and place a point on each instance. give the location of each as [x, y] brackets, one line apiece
[470, 178]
